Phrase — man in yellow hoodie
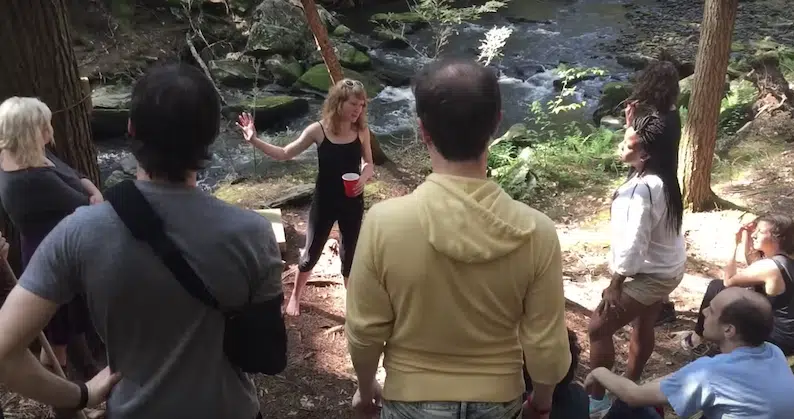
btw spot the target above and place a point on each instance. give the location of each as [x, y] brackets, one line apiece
[452, 282]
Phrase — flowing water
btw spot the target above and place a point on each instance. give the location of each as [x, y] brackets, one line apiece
[545, 34]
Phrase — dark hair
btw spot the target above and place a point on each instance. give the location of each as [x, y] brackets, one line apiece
[576, 351]
[782, 230]
[459, 104]
[657, 86]
[661, 160]
[753, 321]
[175, 116]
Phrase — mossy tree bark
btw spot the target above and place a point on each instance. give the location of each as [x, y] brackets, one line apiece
[700, 131]
[38, 60]
[334, 68]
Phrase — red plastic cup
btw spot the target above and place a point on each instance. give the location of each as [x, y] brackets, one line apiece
[350, 180]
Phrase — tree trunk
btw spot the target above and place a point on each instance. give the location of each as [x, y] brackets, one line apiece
[700, 132]
[334, 68]
[38, 60]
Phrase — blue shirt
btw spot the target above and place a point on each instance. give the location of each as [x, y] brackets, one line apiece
[746, 383]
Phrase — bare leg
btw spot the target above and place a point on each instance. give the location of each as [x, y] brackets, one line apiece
[642, 341]
[60, 355]
[294, 305]
[345, 279]
[603, 326]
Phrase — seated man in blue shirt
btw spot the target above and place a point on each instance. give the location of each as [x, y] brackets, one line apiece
[749, 379]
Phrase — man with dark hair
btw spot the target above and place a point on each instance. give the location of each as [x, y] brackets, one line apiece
[749, 379]
[457, 278]
[165, 348]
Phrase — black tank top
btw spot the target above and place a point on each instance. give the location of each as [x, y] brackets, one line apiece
[783, 305]
[334, 160]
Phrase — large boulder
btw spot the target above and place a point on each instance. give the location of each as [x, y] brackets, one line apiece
[317, 79]
[280, 27]
[285, 70]
[269, 111]
[266, 39]
[234, 73]
[110, 111]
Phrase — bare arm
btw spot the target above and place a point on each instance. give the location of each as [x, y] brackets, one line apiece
[542, 331]
[367, 167]
[764, 272]
[730, 268]
[635, 395]
[90, 187]
[22, 317]
[311, 135]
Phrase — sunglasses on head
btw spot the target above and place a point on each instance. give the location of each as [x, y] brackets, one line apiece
[352, 83]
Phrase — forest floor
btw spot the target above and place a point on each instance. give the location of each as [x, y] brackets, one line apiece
[757, 173]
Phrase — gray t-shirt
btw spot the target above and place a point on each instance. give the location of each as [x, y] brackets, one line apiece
[167, 345]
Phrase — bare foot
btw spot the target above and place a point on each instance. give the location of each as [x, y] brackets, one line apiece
[293, 307]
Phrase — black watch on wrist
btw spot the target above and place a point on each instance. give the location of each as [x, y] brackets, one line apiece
[83, 395]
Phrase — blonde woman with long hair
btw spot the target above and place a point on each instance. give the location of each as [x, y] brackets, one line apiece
[343, 146]
[37, 191]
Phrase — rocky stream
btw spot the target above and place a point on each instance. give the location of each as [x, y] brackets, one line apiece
[262, 56]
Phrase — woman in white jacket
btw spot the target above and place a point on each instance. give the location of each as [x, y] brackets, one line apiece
[648, 252]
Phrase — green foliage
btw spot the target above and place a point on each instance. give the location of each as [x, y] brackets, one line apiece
[442, 16]
[552, 155]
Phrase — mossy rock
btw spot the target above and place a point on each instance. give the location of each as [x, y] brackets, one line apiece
[341, 31]
[612, 95]
[286, 70]
[408, 22]
[317, 78]
[390, 39]
[516, 134]
[269, 111]
[685, 90]
[404, 17]
[352, 58]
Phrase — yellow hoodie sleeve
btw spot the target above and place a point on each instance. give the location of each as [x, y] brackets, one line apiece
[369, 318]
[543, 332]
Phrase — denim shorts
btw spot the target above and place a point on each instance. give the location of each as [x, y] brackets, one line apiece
[451, 410]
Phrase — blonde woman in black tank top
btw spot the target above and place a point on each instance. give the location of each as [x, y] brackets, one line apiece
[343, 146]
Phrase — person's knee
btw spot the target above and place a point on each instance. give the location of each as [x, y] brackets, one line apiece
[599, 328]
[715, 285]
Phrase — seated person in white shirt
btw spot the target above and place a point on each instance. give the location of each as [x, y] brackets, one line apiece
[749, 379]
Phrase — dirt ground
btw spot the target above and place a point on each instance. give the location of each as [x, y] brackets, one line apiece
[319, 380]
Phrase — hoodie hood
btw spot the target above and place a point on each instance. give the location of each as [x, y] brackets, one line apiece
[471, 220]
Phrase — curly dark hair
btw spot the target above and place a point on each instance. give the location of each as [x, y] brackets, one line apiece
[657, 86]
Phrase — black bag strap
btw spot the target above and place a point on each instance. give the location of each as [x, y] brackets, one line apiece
[145, 225]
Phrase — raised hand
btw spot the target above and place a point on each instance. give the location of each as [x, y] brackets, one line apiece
[246, 123]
